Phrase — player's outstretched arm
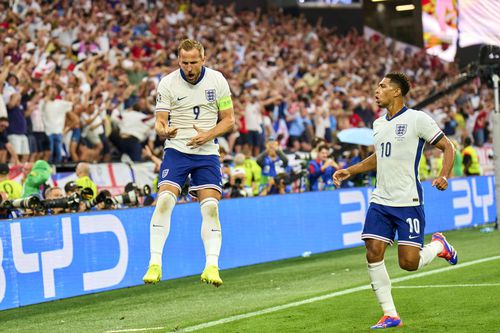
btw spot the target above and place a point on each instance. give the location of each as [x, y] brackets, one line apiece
[441, 182]
[368, 164]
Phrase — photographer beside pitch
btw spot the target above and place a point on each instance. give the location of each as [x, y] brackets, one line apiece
[397, 200]
[193, 108]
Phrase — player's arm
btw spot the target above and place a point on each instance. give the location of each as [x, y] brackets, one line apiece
[368, 164]
[441, 182]
[162, 111]
[225, 124]
[162, 128]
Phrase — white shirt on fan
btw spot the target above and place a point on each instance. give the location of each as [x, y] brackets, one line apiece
[54, 115]
[192, 104]
[399, 142]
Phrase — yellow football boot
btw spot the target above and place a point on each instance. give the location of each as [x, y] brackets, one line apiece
[211, 275]
[153, 275]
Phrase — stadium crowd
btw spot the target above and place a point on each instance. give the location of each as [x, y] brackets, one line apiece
[79, 78]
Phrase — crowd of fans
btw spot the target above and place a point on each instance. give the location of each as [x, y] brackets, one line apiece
[78, 81]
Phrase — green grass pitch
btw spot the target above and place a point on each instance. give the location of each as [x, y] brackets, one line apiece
[464, 299]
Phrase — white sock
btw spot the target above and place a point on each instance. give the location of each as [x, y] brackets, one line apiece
[381, 285]
[429, 252]
[211, 230]
[160, 225]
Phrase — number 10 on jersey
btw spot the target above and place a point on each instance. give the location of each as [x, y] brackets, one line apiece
[386, 149]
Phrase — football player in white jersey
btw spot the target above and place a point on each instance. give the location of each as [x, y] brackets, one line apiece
[397, 200]
[193, 108]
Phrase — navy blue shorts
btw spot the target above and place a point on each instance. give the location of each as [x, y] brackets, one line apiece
[204, 170]
[76, 134]
[382, 222]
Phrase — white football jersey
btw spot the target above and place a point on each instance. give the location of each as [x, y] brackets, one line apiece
[399, 142]
[192, 104]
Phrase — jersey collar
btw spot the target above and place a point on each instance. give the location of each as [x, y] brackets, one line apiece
[400, 112]
[202, 74]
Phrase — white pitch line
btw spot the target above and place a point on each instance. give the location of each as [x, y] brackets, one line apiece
[307, 301]
[449, 286]
[139, 329]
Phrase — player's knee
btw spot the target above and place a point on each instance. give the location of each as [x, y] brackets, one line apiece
[374, 254]
[408, 265]
[210, 209]
[165, 202]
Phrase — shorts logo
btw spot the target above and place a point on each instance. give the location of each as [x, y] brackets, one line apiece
[210, 95]
[164, 173]
[401, 129]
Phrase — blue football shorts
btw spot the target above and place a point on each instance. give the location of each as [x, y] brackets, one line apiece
[382, 222]
[205, 171]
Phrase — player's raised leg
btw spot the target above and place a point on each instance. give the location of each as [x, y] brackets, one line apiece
[448, 252]
[159, 230]
[211, 235]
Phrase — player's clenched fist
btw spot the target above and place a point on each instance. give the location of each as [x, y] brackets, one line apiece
[340, 175]
[441, 183]
[165, 131]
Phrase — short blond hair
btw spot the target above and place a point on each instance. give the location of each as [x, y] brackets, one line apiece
[189, 44]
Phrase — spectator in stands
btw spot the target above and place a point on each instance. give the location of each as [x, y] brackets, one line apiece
[479, 131]
[18, 127]
[54, 111]
[5, 89]
[135, 129]
[83, 178]
[321, 119]
[470, 159]
[253, 123]
[321, 170]
[6, 148]
[301, 128]
[72, 127]
[39, 141]
[92, 121]
[272, 161]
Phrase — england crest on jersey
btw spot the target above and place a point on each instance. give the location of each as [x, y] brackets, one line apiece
[210, 95]
[401, 129]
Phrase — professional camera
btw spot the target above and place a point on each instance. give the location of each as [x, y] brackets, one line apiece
[130, 197]
[71, 202]
[101, 197]
[32, 202]
[237, 190]
[87, 193]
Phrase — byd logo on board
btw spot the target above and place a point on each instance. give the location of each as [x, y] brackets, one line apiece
[48, 262]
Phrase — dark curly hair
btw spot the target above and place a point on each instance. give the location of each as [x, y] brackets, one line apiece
[401, 80]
